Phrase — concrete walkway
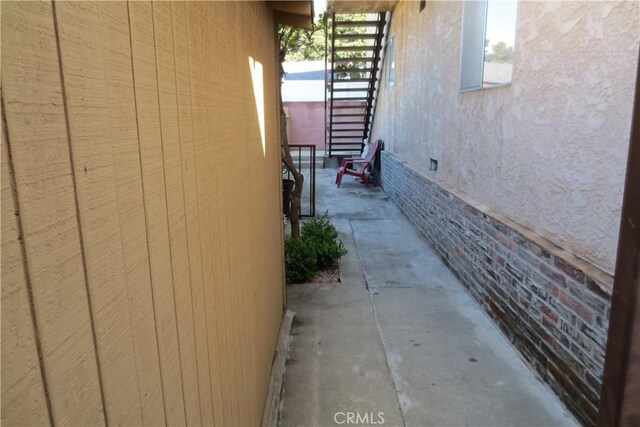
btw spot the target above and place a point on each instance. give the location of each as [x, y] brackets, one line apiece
[399, 341]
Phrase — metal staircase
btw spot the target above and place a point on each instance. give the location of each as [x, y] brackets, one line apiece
[355, 53]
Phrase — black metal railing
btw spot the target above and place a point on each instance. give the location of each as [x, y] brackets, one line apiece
[304, 157]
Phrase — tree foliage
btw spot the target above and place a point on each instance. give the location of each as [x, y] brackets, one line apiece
[309, 45]
[501, 53]
[301, 44]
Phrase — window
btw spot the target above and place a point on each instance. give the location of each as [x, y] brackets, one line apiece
[391, 61]
[488, 37]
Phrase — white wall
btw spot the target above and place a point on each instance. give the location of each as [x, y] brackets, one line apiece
[303, 90]
[548, 151]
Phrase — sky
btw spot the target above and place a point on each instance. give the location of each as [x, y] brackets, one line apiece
[319, 6]
[501, 18]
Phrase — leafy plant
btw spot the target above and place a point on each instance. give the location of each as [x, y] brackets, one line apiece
[322, 237]
[309, 45]
[318, 248]
[299, 260]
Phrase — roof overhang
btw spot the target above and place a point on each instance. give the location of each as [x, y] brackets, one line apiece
[293, 12]
[360, 6]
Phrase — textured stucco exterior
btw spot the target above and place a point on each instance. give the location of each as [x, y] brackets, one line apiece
[547, 151]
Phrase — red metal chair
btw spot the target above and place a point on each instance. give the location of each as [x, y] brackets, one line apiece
[363, 162]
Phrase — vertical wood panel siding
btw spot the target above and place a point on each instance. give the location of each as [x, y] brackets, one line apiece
[150, 145]
[46, 201]
[141, 225]
[22, 384]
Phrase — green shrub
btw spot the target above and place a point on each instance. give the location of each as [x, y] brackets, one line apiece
[318, 248]
[299, 260]
[322, 237]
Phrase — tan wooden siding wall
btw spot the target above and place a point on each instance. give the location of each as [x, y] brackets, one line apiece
[141, 228]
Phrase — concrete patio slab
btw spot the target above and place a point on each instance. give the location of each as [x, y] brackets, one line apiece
[400, 335]
[450, 364]
[336, 363]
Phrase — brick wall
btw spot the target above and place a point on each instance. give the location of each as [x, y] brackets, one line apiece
[553, 307]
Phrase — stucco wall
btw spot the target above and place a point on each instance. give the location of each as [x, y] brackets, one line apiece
[549, 150]
[142, 270]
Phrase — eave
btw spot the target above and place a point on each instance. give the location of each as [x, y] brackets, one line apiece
[293, 12]
[360, 6]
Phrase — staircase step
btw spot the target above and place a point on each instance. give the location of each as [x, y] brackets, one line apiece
[349, 115]
[354, 70]
[351, 81]
[356, 36]
[347, 130]
[351, 89]
[357, 23]
[346, 139]
[353, 48]
[341, 107]
[360, 98]
[346, 124]
[356, 80]
[359, 59]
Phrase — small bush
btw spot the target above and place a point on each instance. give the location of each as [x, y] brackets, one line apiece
[322, 237]
[299, 260]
